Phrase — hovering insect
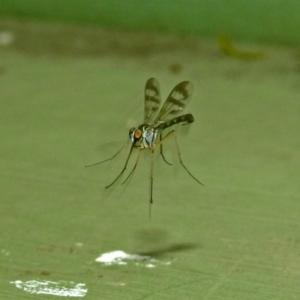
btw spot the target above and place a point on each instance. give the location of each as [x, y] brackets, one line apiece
[149, 135]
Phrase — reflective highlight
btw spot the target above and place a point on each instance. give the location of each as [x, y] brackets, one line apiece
[121, 258]
[60, 288]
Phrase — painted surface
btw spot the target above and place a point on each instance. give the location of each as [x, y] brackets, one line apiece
[67, 91]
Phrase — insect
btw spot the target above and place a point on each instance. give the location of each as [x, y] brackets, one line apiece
[149, 135]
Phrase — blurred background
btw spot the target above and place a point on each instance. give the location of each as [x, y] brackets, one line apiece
[72, 76]
[267, 21]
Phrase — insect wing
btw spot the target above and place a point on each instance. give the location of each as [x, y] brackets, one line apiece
[177, 101]
[152, 99]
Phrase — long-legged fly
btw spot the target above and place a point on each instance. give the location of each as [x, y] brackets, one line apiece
[149, 135]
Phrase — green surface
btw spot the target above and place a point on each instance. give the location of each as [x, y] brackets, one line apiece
[235, 238]
[260, 21]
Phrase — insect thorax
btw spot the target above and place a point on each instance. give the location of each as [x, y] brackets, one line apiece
[145, 135]
[149, 136]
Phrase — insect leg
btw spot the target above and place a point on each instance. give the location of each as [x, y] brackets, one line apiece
[161, 150]
[181, 162]
[98, 163]
[164, 138]
[124, 168]
[151, 181]
[151, 176]
[133, 169]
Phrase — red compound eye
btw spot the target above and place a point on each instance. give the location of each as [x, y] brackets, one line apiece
[138, 134]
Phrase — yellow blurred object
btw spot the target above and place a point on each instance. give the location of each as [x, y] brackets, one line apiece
[227, 48]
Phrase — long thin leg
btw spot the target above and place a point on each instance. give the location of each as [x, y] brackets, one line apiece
[151, 176]
[152, 168]
[133, 169]
[151, 181]
[132, 146]
[164, 138]
[179, 155]
[161, 150]
[98, 163]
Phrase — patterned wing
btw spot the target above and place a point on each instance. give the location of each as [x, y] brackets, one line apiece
[152, 99]
[177, 101]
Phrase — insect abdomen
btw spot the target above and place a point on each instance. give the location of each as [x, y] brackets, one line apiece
[189, 118]
[186, 119]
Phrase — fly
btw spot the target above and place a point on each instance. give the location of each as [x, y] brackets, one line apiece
[149, 135]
